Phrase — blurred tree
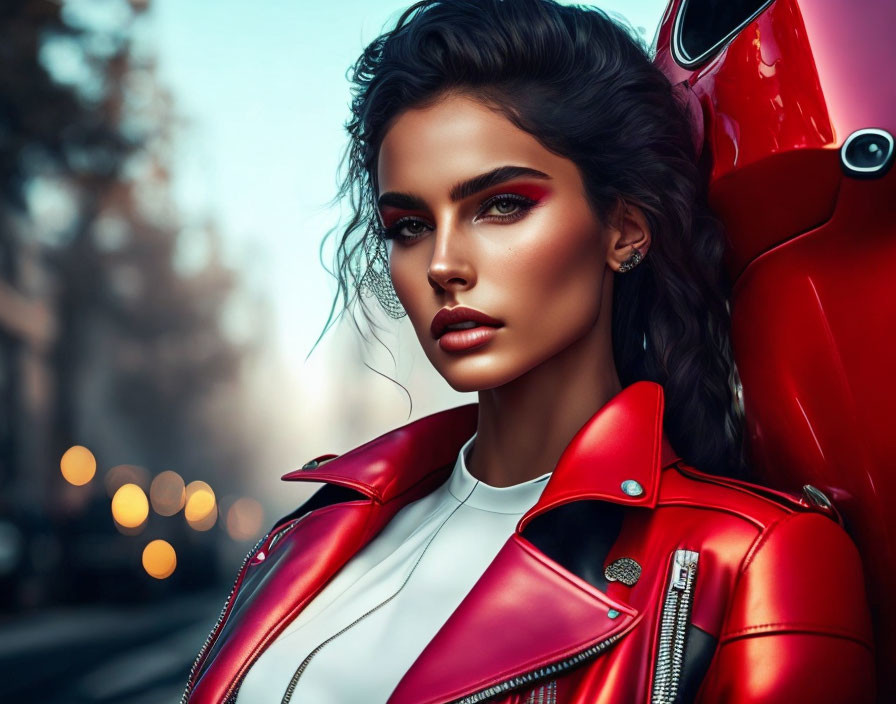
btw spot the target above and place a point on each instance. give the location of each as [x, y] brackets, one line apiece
[142, 371]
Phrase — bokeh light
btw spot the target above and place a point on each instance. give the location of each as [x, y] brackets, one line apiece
[130, 506]
[78, 465]
[159, 559]
[206, 523]
[122, 474]
[201, 509]
[167, 493]
[244, 519]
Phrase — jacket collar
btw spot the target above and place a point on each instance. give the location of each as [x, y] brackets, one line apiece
[622, 442]
[566, 619]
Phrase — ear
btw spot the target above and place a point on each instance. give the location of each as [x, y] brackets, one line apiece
[629, 230]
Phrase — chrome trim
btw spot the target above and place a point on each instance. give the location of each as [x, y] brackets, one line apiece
[674, 627]
[867, 169]
[679, 54]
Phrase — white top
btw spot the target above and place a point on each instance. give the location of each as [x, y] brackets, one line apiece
[408, 580]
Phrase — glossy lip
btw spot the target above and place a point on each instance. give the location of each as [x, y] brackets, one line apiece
[459, 314]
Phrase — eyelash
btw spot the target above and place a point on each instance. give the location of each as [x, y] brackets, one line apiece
[525, 205]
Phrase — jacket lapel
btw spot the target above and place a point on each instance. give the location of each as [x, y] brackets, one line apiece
[522, 618]
[528, 616]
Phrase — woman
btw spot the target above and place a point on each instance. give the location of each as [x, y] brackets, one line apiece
[525, 189]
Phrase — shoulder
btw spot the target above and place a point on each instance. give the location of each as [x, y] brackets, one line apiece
[684, 485]
[769, 539]
[796, 622]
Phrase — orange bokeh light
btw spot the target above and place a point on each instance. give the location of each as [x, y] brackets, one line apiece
[78, 465]
[201, 508]
[130, 506]
[206, 523]
[159, 559]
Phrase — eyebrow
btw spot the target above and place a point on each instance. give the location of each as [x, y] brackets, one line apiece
[464, 189]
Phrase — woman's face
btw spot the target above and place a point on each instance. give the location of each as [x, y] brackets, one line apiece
[481, 216]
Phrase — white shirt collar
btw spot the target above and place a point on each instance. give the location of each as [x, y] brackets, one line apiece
[516, 499]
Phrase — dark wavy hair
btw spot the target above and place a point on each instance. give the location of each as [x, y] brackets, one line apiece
[583, 85]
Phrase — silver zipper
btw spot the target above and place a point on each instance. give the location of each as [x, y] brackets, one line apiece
[189, 688]
[540, 673]
[674, 627]
[545, 694]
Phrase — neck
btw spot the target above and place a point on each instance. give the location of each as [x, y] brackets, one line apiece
[525, 425]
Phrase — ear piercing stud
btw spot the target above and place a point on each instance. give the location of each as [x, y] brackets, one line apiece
[631, 262]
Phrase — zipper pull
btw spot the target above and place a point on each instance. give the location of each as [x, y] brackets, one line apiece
[683, 569]
[673, 627]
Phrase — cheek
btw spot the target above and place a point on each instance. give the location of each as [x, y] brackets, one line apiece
[560, 275]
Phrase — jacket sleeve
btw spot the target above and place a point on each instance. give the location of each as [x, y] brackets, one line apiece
[797, 628]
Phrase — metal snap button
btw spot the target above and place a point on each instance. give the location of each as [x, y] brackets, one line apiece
[632, 488]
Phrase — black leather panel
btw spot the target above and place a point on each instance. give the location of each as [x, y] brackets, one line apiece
[578, 536]
[698, 651]
[325, 496]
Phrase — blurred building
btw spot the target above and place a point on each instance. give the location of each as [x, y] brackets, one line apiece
[27, 334]
[104, 342]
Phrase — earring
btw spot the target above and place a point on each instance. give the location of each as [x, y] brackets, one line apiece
[376, 279]
[631, 262]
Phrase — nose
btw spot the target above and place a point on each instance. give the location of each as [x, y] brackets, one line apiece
[450, 266]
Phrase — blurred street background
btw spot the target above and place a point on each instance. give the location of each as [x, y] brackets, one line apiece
[166, 175]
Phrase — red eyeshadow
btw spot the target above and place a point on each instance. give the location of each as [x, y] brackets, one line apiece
[390, 215]
[534, 191]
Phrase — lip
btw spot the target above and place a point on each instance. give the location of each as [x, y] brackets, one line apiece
[459, 314]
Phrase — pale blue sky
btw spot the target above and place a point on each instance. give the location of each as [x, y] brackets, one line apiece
[263, 88]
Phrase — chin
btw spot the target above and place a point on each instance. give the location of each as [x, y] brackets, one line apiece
[467, 375]
[467, 384]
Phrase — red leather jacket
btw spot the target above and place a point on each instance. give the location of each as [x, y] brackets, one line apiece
[634, 578]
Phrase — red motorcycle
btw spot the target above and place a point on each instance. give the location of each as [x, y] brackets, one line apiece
[794, 103]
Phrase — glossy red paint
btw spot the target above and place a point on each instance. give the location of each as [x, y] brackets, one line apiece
[811, 252]
[770, 570]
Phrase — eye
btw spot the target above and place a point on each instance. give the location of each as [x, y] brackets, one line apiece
[507, 206]
[405, 230]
